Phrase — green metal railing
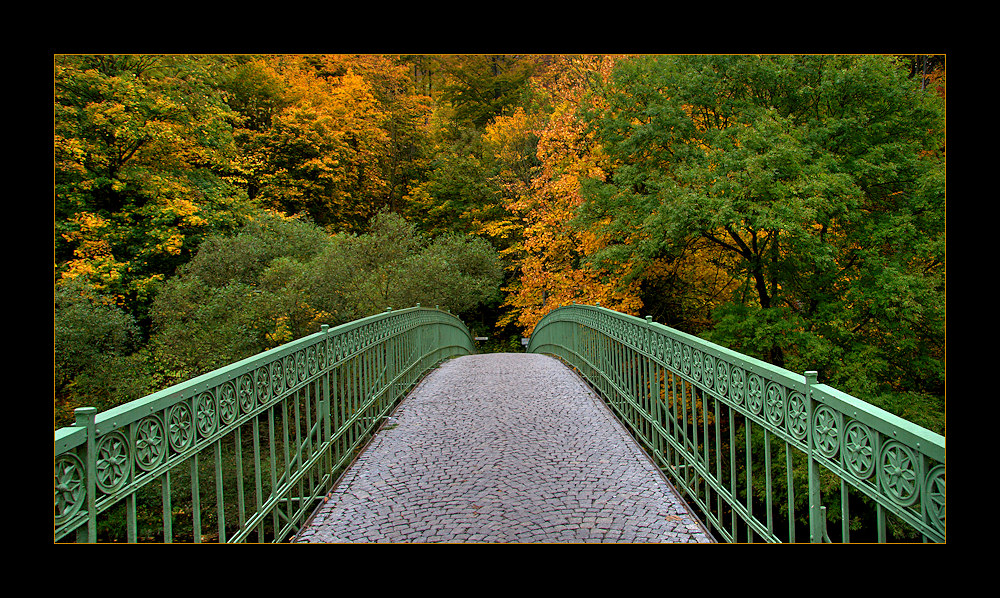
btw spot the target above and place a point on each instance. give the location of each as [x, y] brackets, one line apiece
[763, 453]
[244, 453]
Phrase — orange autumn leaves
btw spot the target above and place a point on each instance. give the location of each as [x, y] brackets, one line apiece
[550, 259]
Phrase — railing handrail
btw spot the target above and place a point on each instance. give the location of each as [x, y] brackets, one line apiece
[126, 413]
[355, 371]
[799, 398]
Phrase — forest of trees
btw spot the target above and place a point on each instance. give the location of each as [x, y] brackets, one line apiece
[210, 207]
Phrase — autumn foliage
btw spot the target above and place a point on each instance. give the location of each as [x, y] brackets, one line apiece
[753, 200]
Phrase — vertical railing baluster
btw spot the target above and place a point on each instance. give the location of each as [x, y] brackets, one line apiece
[272, 447]
[732, 473]
[168, 512]
[768, 503]
[789, 481]
[195, 500]
[85, 418]
[845, 515]
[219, 494]
[748, 458]
[241, 506]
[258, 479]
[130, 523]
[816, 523]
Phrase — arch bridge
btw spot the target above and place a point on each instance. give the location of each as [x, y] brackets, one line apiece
[253, 451]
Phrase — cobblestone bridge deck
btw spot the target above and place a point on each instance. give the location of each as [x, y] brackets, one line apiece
[503, 448]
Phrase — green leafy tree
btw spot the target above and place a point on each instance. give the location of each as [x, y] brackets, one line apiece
[233, 300]
[140, 143]
[393, 265]
[481, 87]
[821, 177]
[97, 360]
[280, 278]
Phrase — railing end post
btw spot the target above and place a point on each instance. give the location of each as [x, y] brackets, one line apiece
[85, 416]
[324, 328]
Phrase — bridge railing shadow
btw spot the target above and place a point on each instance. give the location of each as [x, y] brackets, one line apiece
[763, 453]
[246, 452]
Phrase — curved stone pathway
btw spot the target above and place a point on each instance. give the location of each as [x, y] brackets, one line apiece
[503, 448]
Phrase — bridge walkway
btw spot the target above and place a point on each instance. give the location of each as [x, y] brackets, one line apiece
[503, 448]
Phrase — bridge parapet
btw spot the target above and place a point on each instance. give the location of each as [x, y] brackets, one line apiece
[246, 451]
[692, 403]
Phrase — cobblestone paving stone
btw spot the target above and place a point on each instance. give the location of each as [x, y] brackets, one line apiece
[503, 448]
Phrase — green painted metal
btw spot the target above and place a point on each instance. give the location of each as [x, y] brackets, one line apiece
[244, 453]
[707, 415]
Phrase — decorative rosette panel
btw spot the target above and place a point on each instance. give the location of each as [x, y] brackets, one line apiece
[722, 378]
[262, 384]
[797, 416]
[206, 414]
[114, 462]
[229, 405]
[737, 385]
[892, 468]
[70, 487]
[149, 441]
[180, 427]
[934, 498]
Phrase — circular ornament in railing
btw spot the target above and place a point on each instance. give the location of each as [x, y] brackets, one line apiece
[897, 473]
[774, 403]
[755, 393]
[708, 374]
[859, 449]
[206, 414]
[114, 462]
[797, 416]
[262, 384]
[301, 367]
[150, 443]
[180, 427]
[312, 361]
[70, 486]
[686, 360]
[290, 370]
[737, 385]
[696, 365]
[722, 378]
[826, 431]
[229, 406]
[277, 377]
[934, 498]
[245, 393]
[321, 353]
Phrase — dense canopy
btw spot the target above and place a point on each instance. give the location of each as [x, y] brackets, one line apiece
[209, 207]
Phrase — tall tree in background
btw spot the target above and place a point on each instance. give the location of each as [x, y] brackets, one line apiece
[821, 182]
[549, 260]
[481, 87]
[320, 152]
[461, 189]
[139, 145]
